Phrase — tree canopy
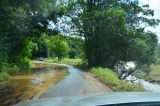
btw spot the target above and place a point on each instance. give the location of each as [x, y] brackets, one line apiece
[20, 21]
[114, 30]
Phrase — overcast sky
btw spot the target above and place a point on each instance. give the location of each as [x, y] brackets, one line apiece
[155, 5]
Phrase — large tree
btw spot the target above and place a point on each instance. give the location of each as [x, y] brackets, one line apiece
[20, 21]
[111, 29]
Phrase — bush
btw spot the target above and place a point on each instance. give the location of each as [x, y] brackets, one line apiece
[110, 78]
[6, 70]
[140, 74]
[155, 72]
[4, 76]
[14, 69]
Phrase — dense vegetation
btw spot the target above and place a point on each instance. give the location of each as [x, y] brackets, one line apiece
[102, 33]
[113, 31]
[20, 22]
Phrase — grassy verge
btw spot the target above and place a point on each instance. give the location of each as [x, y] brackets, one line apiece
[74, 62]
[110, 78]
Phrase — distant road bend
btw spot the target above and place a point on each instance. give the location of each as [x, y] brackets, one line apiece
[75, 84]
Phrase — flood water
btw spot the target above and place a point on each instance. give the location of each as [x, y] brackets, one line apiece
[151, 87]
[30, 84]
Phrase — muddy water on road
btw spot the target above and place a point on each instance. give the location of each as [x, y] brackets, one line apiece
[30, 84]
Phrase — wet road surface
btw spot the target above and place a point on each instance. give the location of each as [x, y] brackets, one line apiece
[48, 80]
[75, 84]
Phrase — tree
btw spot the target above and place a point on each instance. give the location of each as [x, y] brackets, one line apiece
[58, 45]
[157, 54]
[21, 20]
[76, 46]
[111, 28]
[142, 49]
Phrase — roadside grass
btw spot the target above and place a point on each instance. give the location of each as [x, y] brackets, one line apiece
[73, 62]
[110, 78]
[155, 73]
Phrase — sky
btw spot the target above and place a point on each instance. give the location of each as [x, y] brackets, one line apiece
[155, 5]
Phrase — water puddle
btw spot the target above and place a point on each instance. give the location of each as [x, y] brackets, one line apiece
[30, 84]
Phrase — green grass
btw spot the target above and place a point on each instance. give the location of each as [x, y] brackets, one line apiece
[110, 78]
[74, 62]
[155, 73]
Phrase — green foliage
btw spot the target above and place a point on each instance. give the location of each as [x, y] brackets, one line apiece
[112, 31]
[157, 54]
[57, 45]
[61, 49]
[4, 76]
[22, 56]
[7, 70]
[110, 78]
[20, 22]
[154, 73]
[141, 74]
[13, 70]
[40, 48]
[101, 43]
[75, 45]
[3, 52]
[142, 49]
[139, 50]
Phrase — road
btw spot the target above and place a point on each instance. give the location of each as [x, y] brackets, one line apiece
[75, 84]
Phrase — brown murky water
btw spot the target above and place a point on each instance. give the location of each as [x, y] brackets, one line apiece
[30, 84]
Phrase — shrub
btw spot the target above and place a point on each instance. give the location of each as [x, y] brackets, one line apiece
[6, 70]
[4, 76]
[14, 69]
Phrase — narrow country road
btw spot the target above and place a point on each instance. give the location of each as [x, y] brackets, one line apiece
[75, 84]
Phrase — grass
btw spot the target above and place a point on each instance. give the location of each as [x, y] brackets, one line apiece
[74, 62]
[110, 78]
[155, 73]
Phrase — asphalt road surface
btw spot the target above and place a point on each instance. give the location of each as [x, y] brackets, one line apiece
[75, 84]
